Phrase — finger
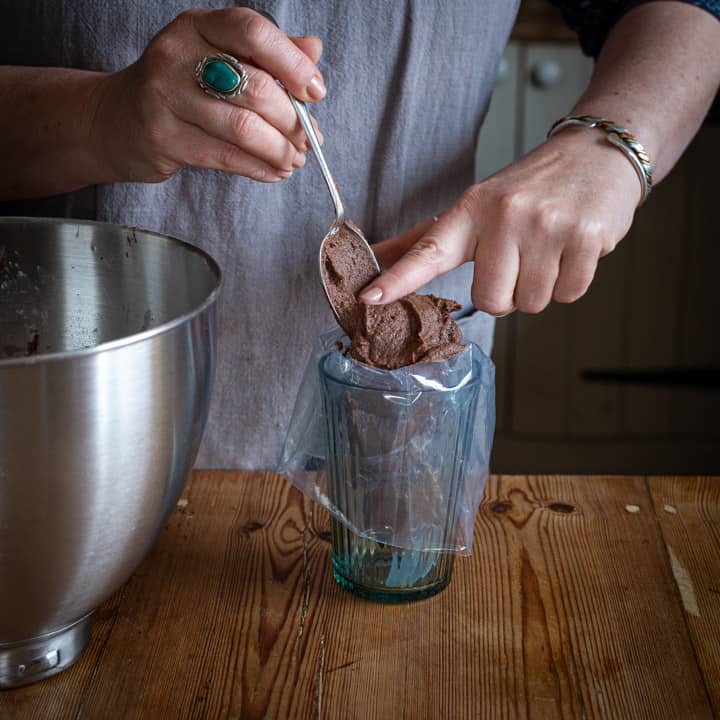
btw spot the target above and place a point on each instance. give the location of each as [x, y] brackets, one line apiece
[577, 270]
[246, 34]
[390, 251]
[311, 45]
[212, 153]
[509, 311]
[267, 98]
[447, 244]
[320, 136]
[242, 127]
[262, 95]
[536, 281]
[495, 276]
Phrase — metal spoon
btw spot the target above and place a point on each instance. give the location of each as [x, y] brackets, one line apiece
[353, 235]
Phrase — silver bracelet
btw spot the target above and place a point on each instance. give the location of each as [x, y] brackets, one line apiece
[622, 139]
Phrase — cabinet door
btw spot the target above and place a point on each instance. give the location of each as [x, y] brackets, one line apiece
[553, 347]
[497, 146]
[653, 304]
[553, 78]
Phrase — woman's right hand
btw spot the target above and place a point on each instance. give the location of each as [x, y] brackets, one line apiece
[152, 118]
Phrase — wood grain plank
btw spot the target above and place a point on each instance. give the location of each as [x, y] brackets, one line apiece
[591, 600]
[210, 623]
[556, 615]
[566, 609]
[688, 510]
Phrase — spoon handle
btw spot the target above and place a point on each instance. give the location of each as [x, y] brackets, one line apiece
[304, 115]
[306, 122]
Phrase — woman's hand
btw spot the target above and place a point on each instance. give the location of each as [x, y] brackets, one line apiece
[535, 230]
[152, 118]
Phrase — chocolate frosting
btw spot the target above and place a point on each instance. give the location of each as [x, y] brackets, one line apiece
[347, 268]
[413, 329]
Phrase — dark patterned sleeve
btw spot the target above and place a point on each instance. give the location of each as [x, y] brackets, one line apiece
[593, 19]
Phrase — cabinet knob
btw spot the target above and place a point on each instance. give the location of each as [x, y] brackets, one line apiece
[503, 71]
[546, 74]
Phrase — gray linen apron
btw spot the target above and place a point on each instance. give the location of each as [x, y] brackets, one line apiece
[408, 85]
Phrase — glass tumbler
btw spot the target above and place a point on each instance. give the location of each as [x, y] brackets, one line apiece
[396, 465]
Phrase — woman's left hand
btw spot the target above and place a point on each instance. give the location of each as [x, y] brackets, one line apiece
[535, 230]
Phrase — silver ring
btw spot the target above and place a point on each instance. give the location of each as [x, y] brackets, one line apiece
[221, 76]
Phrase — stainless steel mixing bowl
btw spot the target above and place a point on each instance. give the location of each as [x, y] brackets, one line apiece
[107, 354]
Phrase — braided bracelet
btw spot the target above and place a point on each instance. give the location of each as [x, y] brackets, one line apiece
[621, 138]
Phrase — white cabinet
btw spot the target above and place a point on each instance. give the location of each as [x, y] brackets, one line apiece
[654, 305]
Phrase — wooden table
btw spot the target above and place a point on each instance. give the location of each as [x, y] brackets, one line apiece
[593, 597]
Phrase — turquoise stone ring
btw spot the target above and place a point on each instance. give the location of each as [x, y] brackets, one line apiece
[221, 76]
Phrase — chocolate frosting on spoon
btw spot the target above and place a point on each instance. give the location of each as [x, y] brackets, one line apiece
[413, 329]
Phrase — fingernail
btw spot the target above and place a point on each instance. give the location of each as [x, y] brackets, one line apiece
[316, 88]
[299, 160]
[371, 295]
[285, 174]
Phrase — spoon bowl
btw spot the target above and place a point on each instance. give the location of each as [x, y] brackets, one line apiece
[344, 236]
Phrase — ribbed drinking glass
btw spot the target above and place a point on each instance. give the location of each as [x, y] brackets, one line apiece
[396, 467]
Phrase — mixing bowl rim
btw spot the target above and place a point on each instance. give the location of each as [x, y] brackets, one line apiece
[127, 340]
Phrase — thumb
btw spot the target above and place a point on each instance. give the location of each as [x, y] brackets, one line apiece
[391, 250]
[446, 244]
